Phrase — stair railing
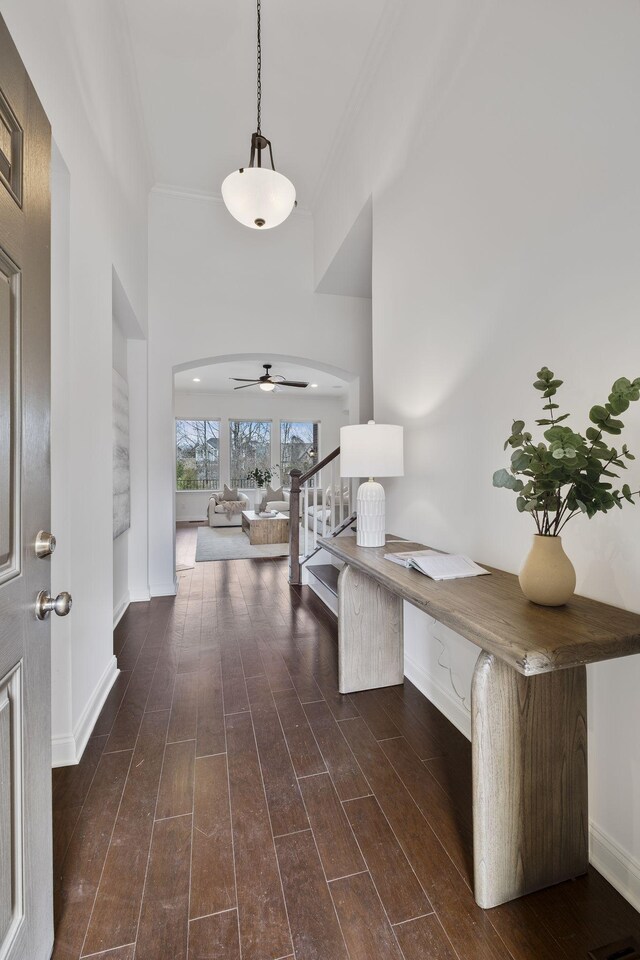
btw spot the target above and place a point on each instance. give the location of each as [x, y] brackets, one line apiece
[321, 500]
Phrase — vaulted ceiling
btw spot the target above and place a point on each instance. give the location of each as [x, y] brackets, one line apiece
[195, 62]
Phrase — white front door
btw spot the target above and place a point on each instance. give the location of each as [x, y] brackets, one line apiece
[26, 920]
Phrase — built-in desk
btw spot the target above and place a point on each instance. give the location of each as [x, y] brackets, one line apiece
[528, 708]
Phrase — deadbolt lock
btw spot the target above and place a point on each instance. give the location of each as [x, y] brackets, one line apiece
[45, 544]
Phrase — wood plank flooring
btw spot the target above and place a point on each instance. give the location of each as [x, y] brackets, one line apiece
[232, 805]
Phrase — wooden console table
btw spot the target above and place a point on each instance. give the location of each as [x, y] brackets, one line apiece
[529, 702]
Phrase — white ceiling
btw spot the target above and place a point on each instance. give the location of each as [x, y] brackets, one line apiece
[196, 60]
[215, 379]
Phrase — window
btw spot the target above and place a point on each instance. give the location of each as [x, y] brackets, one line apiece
[299, 446]
[197, 454]
[250, 447]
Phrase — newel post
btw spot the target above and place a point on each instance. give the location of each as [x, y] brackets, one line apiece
[294, 528]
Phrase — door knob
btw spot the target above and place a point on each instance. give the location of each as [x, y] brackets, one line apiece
[45, 604]
[45, 544]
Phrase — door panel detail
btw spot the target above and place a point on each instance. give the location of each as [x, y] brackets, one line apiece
[11, 801]
[10, 473]
[11, 137]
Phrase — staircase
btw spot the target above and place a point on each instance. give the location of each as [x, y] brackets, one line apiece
[324, 502]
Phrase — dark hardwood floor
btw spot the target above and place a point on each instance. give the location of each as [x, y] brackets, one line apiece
[231, 804]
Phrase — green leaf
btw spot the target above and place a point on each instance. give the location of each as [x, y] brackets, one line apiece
[502, 478]
[626, 493]
[517, 428]
[612, 426]
[598, 415]
[617, 404]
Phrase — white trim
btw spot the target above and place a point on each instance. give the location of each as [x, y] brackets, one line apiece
[66, 750]
[616, 865]
[120, 609]
[164, 589]
[439, 696]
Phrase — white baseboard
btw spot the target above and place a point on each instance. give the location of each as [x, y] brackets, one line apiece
[120, 609]
[67, 750]
[192, 519]
[439, 696]
[164, 589]
[615, 864]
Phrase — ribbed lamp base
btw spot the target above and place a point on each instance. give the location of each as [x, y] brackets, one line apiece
[370, 507]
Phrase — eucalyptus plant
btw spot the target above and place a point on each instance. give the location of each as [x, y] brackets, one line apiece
[262, 475]
[569, 473]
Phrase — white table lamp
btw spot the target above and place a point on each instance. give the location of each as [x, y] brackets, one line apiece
[371, 450]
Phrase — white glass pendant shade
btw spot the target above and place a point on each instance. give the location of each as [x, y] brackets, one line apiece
[267, 386]
[258, 197]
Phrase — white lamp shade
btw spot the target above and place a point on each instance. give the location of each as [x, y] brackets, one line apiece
[257, 194]
[371, 450]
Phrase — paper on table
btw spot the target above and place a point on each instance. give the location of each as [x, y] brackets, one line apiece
[447, 566]
[404, 559]
[438, 566]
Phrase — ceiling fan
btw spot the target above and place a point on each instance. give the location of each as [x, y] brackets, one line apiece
[268, 381]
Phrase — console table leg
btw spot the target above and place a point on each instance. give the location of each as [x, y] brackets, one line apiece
[370, 633]
[529, 739]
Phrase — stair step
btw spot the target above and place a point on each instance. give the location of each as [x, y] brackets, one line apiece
[327, 574]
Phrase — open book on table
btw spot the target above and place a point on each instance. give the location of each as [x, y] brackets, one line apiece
[438, 566]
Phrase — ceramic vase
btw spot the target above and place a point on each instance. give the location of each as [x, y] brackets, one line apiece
[547, 576]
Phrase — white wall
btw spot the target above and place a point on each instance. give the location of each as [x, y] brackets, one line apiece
[217, 289]
[257, 405]
[506, 203]
[76, 55]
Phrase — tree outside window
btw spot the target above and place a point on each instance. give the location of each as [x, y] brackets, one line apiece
[197, 454]
[250, 447]
[299, 446]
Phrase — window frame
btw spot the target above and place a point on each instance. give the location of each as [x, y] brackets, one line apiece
[231, 420]
[212, 420]
[314, 423]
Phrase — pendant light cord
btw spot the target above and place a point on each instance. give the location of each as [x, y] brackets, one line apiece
[259, 68]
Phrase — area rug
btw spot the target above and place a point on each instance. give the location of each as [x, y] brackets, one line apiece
[230, 543]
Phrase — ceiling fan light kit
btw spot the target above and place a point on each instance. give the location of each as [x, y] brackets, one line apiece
[259, 197]
[268, 382]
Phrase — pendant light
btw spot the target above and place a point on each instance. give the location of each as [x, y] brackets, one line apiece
[257, 196]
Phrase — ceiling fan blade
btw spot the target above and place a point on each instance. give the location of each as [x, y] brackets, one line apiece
[243, 380]
[293, 383]
[244, 386]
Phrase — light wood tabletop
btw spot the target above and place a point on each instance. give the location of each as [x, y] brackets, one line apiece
[493, 613]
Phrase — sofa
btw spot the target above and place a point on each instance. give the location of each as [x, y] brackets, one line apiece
[219, 515]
